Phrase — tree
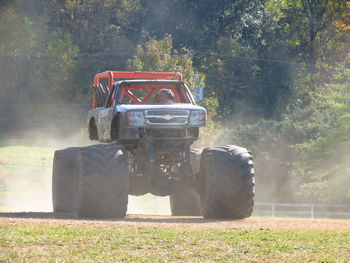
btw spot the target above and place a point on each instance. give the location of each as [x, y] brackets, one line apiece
[227, 76]
[323, 170]
[310, 27]
[98, 26]
[54, 70]
[18, 41]
[244, 83]
[39, 64]
[159, 55]
[198, 23]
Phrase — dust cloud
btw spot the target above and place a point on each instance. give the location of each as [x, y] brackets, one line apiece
[26, 170]
[270, 151]
[33, 194]
[29, 174]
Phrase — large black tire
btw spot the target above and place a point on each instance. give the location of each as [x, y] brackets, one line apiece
[64, 174]
[103, 182]
[185, 202]
[228, 182]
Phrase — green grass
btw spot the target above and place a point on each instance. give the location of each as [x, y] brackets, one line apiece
[23, 163]
[20, 162]
[24, 158]
[38, 242]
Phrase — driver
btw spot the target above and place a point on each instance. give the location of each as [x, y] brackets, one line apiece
[164, 96]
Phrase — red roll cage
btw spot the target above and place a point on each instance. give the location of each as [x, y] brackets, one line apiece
[113, 76]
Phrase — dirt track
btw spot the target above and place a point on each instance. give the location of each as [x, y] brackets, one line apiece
[177, 222]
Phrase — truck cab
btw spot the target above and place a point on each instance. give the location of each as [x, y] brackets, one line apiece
[133, 109]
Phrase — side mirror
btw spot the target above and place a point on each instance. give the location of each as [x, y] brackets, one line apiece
[197, 94]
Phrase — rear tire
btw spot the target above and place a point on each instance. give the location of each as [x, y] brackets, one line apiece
[64, 179]
[103, 184]
[228, 182]
[185, 202]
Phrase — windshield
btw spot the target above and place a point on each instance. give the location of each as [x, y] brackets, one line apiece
[152, 93]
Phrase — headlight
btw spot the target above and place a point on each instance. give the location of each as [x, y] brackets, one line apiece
[197, 118]
[136, 118]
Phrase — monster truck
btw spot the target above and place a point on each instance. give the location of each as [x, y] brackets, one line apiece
[147, 122]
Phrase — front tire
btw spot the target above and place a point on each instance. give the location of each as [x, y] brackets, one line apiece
[64, 175]
[227, 182]
[103, 184]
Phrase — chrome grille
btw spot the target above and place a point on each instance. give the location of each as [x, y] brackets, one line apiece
[167, 117]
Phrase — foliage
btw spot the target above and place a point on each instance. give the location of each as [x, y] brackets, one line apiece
[309, 27]
[15, 43]
[97, 26]
[323, 170]
[41, 59]
[303, 151]
[255, 86]
[159, 55]
[19, 40]
[199, 24]
[226, 76]
[56, 71]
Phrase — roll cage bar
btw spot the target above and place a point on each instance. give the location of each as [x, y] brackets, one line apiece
[113, 76]
[180, 92]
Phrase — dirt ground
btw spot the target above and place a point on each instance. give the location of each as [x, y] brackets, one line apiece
[254, 223]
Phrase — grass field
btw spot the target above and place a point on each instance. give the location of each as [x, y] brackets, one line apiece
[23, 240]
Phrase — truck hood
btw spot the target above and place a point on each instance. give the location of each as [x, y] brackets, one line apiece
[178, 106]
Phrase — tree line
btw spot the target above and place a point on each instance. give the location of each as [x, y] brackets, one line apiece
[275, 72]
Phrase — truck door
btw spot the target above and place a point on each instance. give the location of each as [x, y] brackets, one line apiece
[105, 116]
